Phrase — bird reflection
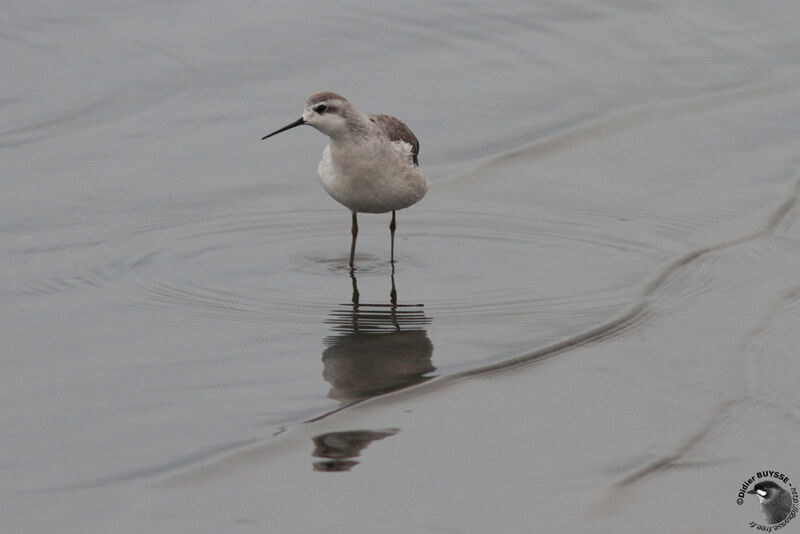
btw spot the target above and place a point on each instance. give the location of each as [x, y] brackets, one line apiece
[339, 448]
[375, 348]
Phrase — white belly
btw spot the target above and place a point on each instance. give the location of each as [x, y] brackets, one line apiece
[372, 179]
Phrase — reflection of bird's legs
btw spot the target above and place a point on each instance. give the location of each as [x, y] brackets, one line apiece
[393, 298]
[393, 293]
[354, 315]
[392, 226]
[355, 288]
[354, 232]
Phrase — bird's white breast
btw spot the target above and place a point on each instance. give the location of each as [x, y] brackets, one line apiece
[371, 177]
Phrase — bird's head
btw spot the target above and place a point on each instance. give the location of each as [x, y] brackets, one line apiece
[766, 491]
[328, 112]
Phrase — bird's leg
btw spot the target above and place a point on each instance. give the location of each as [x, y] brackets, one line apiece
[354, 232]
[392, 227]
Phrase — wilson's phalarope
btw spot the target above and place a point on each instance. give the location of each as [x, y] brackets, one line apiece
[371, 163]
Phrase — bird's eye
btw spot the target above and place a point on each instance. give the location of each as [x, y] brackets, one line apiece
[321, 108]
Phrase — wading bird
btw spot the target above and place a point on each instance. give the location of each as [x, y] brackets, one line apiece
[371, 164]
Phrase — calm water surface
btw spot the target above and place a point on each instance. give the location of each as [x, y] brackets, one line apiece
[173, 289]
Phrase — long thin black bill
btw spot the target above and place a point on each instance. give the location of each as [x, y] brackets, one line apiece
[298, 122]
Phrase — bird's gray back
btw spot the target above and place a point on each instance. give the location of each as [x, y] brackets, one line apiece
[396, 130]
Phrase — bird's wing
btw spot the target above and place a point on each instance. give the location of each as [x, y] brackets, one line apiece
[397, 130]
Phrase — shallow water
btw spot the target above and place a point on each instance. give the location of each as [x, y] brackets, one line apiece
[613, 190]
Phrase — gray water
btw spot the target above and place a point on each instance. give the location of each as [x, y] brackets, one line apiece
[175, 290]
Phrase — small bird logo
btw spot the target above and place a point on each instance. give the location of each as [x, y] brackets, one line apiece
[776, 502]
